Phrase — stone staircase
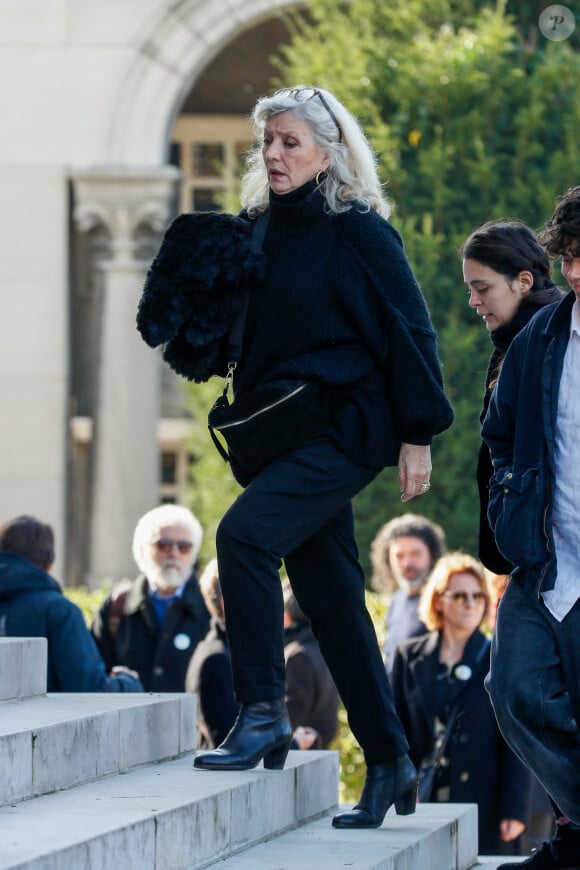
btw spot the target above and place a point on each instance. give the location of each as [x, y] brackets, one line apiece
[106, 782]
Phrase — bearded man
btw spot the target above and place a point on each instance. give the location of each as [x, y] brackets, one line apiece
[403, 555]
[153, 624]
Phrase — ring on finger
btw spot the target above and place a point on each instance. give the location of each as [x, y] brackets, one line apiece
[425, 486]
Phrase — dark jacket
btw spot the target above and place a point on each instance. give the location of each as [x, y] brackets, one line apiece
[519, 429]
[209, 675]
[481, 767]
[502, 337]
[159, 653]
[311, 696]
[32, 605]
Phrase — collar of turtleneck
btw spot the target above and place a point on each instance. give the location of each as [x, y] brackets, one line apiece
[304, 204]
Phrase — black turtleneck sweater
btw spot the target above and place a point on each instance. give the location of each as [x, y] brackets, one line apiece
[340, 305]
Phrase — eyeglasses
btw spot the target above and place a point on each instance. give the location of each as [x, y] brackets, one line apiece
[166, 545]
[303, 94]
[464, 597]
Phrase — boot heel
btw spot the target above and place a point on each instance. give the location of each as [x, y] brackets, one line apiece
[406, 802]
[274, 760]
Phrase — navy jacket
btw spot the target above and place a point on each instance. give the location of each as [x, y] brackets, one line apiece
[33, 605]
[159, 653]
[519, 429]
[482, 768]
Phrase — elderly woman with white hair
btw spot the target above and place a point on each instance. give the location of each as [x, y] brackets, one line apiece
[154, 623]
[338, 307]
[333, 355]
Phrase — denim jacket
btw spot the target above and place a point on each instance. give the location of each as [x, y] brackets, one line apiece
[519, 429]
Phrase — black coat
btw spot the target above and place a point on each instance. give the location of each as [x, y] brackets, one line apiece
[159, 653]
[209, 675]
[311, 696]
[482, 769]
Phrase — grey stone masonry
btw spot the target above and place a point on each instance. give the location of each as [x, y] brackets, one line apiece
[106, 782]
[22, 667]
[58, 741]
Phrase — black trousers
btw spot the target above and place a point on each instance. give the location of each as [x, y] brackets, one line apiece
[299, 510]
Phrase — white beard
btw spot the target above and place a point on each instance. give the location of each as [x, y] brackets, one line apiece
[167, 576]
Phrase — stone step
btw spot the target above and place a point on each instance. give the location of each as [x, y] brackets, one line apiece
[492, 862]
[436, 837]
[167, 816]
[22, 667]
[58, 741]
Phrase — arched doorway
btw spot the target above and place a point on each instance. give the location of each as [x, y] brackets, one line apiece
[200, 69]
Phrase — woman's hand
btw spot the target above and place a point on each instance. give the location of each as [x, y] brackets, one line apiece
[510, 829]
[414, 470]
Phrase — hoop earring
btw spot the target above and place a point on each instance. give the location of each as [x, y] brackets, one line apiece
[318, 179]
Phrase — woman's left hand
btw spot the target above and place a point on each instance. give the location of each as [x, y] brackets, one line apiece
[510, 829]
[414, 470]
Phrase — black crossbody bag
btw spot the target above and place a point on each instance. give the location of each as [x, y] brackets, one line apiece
[271, 419]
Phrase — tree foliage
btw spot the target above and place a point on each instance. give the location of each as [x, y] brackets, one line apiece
[474, 115]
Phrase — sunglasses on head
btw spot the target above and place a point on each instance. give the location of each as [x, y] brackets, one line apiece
[303, 94]
[464, 597]
[166, 545]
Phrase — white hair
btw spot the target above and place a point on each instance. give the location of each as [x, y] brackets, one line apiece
[149, 526]
[351, 176]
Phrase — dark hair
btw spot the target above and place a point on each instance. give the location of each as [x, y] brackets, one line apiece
[28, 537]
[509, 247]
[405, 526]
[563, 228]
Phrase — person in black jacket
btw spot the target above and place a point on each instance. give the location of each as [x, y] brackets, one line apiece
[507, 272]
[209, 674]
[32, 605]
[338, 306]
[311, 696]
[438, 683]
[154, 624]
[531, 428]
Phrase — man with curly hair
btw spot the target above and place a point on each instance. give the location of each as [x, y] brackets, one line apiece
[403, 554]
[532, 430]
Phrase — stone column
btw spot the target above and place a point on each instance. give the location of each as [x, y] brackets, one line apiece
[133, 207]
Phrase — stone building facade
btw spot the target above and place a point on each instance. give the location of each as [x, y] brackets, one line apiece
[115, 116]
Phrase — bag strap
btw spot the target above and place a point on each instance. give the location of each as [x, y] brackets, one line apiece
[236, 335]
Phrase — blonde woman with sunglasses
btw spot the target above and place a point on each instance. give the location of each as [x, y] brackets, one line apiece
[438, 683]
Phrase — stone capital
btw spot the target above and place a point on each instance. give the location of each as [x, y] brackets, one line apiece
[127, 203]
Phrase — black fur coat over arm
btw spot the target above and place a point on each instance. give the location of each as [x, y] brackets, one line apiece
[195, 288]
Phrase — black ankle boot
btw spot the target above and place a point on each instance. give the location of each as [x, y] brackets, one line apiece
[262, 730]
[560, 853]
[385, 785]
